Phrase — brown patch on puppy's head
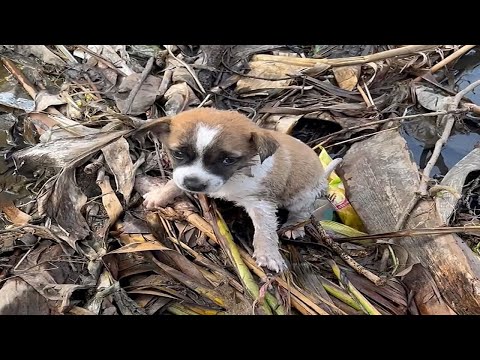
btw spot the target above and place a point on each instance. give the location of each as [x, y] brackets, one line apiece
[209, 146]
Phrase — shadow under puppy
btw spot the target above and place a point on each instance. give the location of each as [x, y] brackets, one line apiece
[224, 155]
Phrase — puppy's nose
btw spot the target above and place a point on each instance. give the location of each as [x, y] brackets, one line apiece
[194, 184]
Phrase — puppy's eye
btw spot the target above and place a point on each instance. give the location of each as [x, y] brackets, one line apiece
[229, 160]
[177, 154]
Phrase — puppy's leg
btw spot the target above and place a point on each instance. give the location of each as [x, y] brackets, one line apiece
[161, 196]
[265, 240]
[300, 210]
[293, 219]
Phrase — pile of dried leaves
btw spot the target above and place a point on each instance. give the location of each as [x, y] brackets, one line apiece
[80, 242]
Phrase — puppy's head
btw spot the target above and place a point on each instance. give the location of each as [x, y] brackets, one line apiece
[207, 147]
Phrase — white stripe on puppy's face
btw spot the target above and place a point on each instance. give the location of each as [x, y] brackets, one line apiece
[196, 170]
[205, 136]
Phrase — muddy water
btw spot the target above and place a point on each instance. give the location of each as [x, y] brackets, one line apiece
[422, 135]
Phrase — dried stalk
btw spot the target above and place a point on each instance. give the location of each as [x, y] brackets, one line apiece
[366, 305]
[308, 62]
[22, 79]
[412, 232]
[327, 138]
[455, 55]
[321, 235]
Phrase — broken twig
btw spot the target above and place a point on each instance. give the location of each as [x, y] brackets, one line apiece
[138, 85]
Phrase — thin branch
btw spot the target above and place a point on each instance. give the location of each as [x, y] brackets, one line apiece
[138, 85]
[423, 187]
[321, 235]
[383, 121]
[188, 69]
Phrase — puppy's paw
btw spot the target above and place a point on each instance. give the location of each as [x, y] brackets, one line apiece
[295, 233]
[156, 199]
[272, 260]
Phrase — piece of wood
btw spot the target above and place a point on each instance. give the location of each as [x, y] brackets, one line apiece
[381, 179]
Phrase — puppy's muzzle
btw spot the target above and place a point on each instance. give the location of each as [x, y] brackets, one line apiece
[192, 183]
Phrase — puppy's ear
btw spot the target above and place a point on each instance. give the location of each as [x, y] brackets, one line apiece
[265, 144]
[161, 129]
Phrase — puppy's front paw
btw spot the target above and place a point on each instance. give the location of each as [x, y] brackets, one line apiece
[156, 199]
[272, 260]
[295, 233]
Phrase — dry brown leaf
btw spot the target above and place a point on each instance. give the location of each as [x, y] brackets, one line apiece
[60, 153]
[19, 298]
[145, 97]
[44, 99]
[282, 123]
[139, 246]
[117, 157]
[50, 275]
[109, 200]
[13, 214]
[63, 201]
[179, 97]
[269, 70]
[347, 76]
[41, 52]
[431, 100]
[133, 225]
[108, 52]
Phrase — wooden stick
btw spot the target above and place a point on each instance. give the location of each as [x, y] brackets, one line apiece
[22, 79]
[199, 84]
[455, 55]
[320, 234]
[139, 83]
[309, 62]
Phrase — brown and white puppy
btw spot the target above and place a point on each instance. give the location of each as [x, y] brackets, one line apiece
[225, 155]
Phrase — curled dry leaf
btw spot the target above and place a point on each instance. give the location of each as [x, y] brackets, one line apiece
[52, 282]
[347, 76]
[117, 157]
[179, 97]
[44, 99]
[431, 100]
[145, 97]
[269, 70]
[62, 200]
[13, 214]
[53, 127]
[41, 52]
[455, 179]
[282, 123]
[109, 53]
[19, 298]
[109, 199]
[60, 153]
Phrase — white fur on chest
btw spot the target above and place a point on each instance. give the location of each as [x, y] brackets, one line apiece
[240, 186]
